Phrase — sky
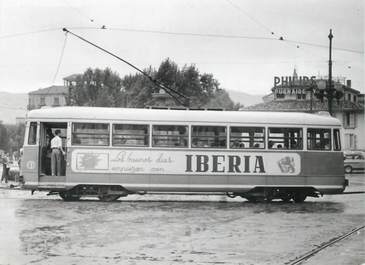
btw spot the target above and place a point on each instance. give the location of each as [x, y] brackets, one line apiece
[238, 41]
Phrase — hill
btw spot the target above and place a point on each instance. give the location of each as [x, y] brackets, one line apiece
[244, 98]
[11, 106]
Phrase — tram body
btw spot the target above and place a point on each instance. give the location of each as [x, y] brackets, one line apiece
[113, 152]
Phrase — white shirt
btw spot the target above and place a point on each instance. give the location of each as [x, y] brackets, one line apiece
[56, 142]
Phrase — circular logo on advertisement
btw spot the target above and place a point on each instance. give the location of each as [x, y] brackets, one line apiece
[31, 164]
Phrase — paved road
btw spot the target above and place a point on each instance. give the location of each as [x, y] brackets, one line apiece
[178, 230]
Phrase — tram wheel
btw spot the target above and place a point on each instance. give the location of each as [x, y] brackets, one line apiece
[251, 199]
[299, 197]
[256, 199]
[108, 198]
[286, 199]
[69, 196]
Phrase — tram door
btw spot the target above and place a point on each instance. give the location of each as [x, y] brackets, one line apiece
[47, 132]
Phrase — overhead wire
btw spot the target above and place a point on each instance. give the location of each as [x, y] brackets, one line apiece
[182, 34]
[60, 59]
[226, 36]
[175, 33]
[20, 34]
[324, 46]
[284, 39]
[79, 11]
[250, 17]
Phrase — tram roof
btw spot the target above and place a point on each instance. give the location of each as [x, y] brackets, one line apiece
[165, 115]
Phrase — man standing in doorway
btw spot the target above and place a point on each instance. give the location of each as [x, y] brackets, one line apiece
[56, 145]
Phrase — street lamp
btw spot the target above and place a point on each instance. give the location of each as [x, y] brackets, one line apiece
[326, 88]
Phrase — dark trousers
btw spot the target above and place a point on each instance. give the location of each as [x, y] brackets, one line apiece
[5, 174]
[56, 162]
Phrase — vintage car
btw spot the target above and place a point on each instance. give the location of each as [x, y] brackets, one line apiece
[354, 161]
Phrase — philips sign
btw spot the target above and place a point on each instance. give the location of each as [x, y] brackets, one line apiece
[287, 81]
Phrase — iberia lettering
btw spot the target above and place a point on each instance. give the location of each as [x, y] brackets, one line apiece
[225, 164]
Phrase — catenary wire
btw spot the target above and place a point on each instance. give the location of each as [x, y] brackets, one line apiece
[250, 17]
[20, 34]
[60, 59]
[215, 36]
[183, 34]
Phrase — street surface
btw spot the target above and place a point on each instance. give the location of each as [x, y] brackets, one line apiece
[167, 229]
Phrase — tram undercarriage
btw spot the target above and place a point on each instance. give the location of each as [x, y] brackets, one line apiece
[108, 193]
[286, 194]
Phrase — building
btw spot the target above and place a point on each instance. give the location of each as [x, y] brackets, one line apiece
[53, 96]
[300, 94]
[71, 80]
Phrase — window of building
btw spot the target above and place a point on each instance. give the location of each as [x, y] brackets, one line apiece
[349, 120]
[32, 135]
[349, 97]
[43, 101]
[90, 134]
[280, 96]
[170, 135]
[56, 101]
[336, 140]
[350, 141]
[130, 135]
[247, 137]
[285, 138]
[355, 98]
[209, 137]
[318, 139]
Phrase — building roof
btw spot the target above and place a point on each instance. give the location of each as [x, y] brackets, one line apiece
[352, 90]
[304, 106]
[72, 77]
[50, 90]
[158, 116]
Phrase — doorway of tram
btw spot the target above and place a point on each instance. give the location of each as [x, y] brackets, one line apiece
[47, 133]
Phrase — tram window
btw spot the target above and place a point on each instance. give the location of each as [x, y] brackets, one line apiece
[286, 138]
[32, 136]
[318, 139]
[170, 135]
[209, 137]
[336, 140]
[247, 137]
[90, 134]
[130, 135]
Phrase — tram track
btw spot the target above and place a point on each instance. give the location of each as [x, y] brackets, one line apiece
[309, 254]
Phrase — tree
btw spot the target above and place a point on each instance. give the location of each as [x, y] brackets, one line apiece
[221, 99]
[202, 89]
[99, 88]
[11, 137]
[104, 88]
[4, 138]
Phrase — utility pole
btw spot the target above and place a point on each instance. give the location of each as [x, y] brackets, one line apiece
[329, 88]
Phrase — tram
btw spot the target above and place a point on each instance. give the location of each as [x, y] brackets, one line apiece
[114, 152]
